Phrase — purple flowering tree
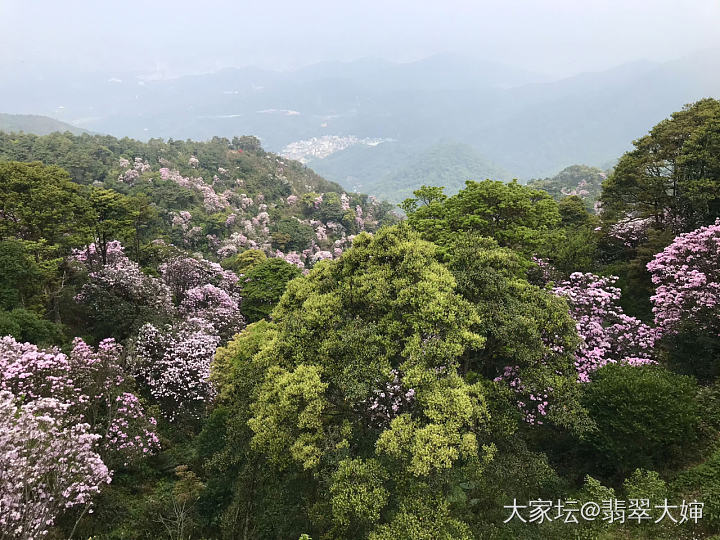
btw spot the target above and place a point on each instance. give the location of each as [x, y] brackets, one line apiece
[174, 363]
[608, 335]
[92, 386]
[48, 463]
[216, 306]
[686, 275]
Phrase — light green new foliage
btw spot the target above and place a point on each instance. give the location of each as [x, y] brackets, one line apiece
[643, 484]
[287, 415]
[424, 518]
[453, 412]
[357, 492]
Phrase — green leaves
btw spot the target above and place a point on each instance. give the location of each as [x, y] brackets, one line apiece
[450, 416]
[287, 415]
[357, 493]
[673, 174]
[514, 215]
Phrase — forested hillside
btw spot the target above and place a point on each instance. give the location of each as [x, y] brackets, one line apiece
[392, 171]
[35, 124]
[207, 341]
[577, 180]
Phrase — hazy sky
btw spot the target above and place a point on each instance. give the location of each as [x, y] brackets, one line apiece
[556, 37]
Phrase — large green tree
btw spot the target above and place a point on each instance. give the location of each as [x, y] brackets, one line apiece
[672, 177]
[40, 203]
[516, 216]
[354, 394]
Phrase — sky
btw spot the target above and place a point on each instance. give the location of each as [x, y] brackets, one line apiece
[170, 38]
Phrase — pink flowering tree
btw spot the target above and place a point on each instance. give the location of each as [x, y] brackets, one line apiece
[48, 463]
[93, 387]
[118, 295]
[174, 364]
[216, 306]
[181, 274]
[608, 335]
[686, 275]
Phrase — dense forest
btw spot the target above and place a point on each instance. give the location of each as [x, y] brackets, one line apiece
[204, 340]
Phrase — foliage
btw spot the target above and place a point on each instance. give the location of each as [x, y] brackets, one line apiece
[671, 178]
[516, 216]
[646, 417]
[263, 286]
[577, 181]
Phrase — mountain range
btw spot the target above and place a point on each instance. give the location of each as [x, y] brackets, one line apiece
[442, 118]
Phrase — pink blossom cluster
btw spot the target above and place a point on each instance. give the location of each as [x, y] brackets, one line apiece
[212, 201]
[234, 244]
[608, 335]
[88, 381]
[546, 270]
[181, 274]
[359, 220]
[686, 275]
[123, 278]
[345, 201]
[245, 201]
[631, 231]
[578, 191]
[130, 432]
[32, 373]
[91, 255]
[174, 363]
[533, 404]
[141, 165]
[48, 463]
[214, 305]
[388, 401]
[129, 176]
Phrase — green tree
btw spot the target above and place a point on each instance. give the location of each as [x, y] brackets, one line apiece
[41, 203]
[113, 217]
[672, 177]
[242, 263]
[289, 234]
[515, 216]
[385, 316]
[263, 286]
[646, 417]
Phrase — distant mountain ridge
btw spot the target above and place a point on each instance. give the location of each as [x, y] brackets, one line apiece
[35, 124]
[516, 121]
[446, 163]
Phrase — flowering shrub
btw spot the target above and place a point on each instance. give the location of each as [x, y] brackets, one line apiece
[215, 306]
[47, 464]
[91, 385]
[687, 279]
[32, 373]
[174, 363]
[608, 334]
[130, 433]
[122, 278]
[184, 273]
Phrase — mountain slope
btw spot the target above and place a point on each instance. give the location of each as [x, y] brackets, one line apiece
[35, 124]
[519, 122]
[393, 171]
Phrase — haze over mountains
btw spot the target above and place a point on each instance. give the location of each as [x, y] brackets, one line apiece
[441, 117]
